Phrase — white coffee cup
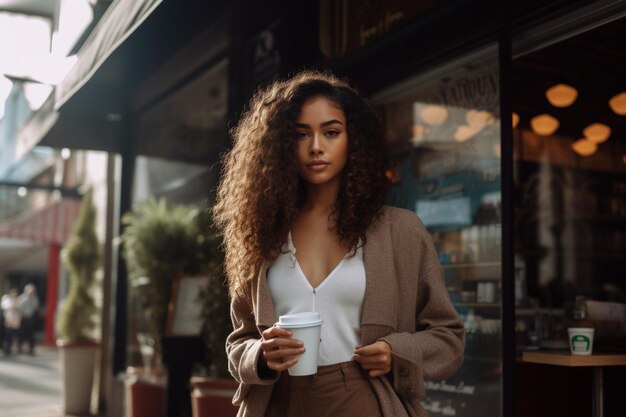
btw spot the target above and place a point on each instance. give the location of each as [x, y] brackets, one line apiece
[305, 327]
[580, 340]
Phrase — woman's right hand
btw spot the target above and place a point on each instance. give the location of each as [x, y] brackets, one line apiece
[279, 348]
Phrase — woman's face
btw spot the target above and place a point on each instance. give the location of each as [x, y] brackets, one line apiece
[322, 148]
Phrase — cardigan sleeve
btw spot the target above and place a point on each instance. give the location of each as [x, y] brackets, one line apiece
[434, 351]
[243, 345]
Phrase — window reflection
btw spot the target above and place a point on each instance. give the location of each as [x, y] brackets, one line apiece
[443, 130]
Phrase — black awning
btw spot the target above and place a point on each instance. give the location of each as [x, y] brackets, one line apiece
[120, 20]
[50, 127]
[131, 40]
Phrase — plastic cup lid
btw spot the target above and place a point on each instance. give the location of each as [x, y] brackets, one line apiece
[296, 320]
[580, 329]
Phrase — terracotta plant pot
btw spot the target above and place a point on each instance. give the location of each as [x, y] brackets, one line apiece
[211, 397]
[78, 362]
[145, 393]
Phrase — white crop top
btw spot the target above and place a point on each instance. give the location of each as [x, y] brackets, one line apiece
[338, 299]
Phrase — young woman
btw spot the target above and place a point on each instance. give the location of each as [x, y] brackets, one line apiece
[301, 208]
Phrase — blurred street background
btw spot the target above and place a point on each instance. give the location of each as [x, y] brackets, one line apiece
[30, 386]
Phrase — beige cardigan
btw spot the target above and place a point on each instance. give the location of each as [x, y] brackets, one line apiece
[406, 304]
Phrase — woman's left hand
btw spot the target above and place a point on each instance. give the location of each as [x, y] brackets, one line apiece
[375, 358]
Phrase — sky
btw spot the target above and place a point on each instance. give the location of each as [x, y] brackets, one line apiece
[28, 49]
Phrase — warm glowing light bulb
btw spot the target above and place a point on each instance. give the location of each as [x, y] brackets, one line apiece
[419, 133]
[434, 115]
[561, 95]
[515, 120]
[618, 103]
[544, 124]
[465, 132]
[597, 132]
[479, 118]
[584, 148]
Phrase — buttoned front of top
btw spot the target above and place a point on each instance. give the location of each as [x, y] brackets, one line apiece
[338, 299]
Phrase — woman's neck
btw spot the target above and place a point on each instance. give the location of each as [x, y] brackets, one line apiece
[321, 198]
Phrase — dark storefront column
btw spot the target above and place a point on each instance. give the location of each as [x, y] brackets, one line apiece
[121, 284]
[508, 270]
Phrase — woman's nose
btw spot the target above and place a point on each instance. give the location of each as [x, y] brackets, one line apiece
[315, 151]
[315, 148]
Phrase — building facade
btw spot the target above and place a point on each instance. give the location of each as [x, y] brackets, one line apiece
[518, 214]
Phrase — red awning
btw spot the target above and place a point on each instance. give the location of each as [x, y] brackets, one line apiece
[52, 224]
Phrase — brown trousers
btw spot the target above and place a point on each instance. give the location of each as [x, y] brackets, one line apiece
[339, 390]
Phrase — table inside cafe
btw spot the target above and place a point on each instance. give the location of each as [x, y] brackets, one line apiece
[597, 361]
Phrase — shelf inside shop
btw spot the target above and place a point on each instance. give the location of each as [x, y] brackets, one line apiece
[481, 278]
[580, 254]
[532, 311]
[546, 214]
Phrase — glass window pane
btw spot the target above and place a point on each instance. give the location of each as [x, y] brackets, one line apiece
[179, 139]
[444, 133]
[570, 188]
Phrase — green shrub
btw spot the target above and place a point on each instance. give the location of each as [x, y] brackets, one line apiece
[162, 242]
[81, 257]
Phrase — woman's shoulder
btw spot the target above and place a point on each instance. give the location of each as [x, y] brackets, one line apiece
[403, 220]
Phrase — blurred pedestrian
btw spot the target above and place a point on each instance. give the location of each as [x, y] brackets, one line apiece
[29, 307]
[12, 318]
[307, 171]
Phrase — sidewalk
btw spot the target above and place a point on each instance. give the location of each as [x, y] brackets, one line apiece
[30, 386]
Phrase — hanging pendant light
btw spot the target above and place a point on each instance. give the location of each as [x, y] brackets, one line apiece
[479, 118]
[597, 132]
[465, 132]
[618, 103]
[561, 95]
[419, 133]
[544, 124]
[515, 120]
[434, 115]
[583, 147]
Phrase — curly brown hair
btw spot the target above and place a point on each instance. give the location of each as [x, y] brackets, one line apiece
[261, 192]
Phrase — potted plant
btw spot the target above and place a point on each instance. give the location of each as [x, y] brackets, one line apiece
[212, 386]
[160, 242]
[76, 320]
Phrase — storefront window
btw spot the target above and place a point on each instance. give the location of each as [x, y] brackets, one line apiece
[175, 181]
[570, 188]
[444, 133]
[180, 139]
[190, 124]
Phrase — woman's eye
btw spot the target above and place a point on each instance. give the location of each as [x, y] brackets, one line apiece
[302, 135]
[332, 133]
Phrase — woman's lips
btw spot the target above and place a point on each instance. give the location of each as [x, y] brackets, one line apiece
[318, 165]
